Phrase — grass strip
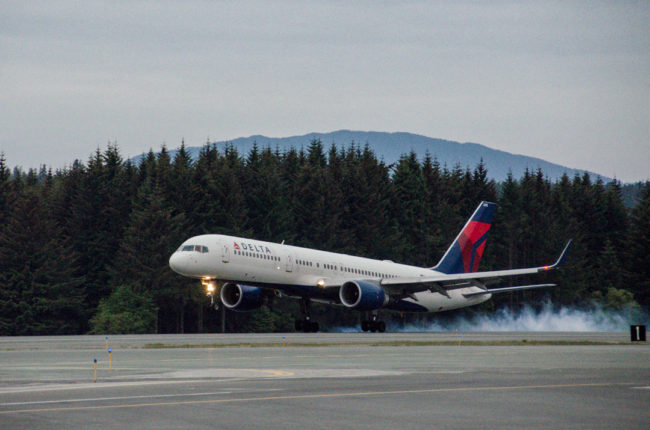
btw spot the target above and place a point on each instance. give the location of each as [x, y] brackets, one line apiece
[389, 343]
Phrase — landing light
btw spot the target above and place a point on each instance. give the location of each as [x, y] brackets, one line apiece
[210, 288]
[321, 283]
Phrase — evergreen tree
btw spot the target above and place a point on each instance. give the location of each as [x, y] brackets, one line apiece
[409, 211]
[5, 176]
[151, 236]
[638, 250]
[315, 213]
[41, 293]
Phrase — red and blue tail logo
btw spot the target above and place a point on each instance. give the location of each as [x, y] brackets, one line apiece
[464, 254]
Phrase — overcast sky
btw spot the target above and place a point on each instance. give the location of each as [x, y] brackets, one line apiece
[568, 82]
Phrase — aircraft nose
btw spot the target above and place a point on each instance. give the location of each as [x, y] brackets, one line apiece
[174, 262]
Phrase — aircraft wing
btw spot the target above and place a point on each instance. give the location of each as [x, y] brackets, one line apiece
[443, 282]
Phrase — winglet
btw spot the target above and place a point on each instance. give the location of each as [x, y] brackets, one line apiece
[561, 259]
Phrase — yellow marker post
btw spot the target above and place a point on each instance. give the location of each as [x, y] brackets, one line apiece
[284, 338]
[110, 351]
[459, 338]
[95, 374]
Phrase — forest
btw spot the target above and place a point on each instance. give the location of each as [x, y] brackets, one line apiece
[85, 249]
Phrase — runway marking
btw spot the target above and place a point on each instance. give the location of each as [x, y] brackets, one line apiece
[320, 396]
[114, 384]
[271, 372]
[153, 396]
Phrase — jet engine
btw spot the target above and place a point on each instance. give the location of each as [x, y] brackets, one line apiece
[242, 298]
[362, 295]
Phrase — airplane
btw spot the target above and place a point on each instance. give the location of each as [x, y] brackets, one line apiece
[251, 272]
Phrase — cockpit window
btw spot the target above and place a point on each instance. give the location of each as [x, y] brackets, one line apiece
[195, 248]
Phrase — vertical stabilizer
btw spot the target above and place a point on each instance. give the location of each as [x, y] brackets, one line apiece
[464, 254]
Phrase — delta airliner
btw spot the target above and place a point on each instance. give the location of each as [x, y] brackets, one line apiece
[251, 271]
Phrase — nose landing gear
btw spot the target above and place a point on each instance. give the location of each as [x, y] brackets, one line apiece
[306, 324]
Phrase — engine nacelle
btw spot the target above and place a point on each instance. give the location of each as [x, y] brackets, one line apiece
[242, 298]
[362, 295]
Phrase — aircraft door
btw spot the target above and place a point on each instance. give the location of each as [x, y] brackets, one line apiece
[225, 254]
[289, 266]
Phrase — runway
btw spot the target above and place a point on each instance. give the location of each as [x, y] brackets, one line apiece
[325, 381]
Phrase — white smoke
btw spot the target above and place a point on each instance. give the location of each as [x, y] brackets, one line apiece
[595, 318]
[548, 318]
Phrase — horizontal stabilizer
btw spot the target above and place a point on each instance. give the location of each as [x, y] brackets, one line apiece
[508, 289]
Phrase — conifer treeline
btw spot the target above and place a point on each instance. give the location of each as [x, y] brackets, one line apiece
[86, 248]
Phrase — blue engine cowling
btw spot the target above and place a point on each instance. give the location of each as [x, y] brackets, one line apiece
[242, 298]
[362, 295]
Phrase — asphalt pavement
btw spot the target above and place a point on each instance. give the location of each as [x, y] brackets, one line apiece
[333, 381]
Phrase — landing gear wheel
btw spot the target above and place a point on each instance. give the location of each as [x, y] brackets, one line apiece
[381, 326]
[373, 326]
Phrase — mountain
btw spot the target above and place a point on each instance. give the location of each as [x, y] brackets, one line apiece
[390, 146]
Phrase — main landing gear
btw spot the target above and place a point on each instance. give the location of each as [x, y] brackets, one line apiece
[374, 324]
[306, 324]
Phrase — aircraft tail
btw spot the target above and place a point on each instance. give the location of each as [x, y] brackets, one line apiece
[464, 254]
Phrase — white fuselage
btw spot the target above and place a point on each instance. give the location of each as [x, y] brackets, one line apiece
[304, 272]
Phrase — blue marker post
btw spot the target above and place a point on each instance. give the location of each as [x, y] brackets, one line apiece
[95, 374]
[110, 366]
[460, 336]
[283, 340]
